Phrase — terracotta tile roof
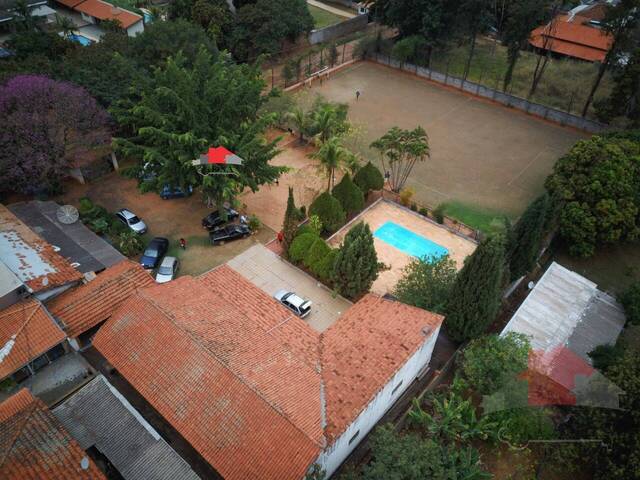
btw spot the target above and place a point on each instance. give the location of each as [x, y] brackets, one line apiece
[105, 11]
[87, 305]
[242, 379]
[35, 446]
[573, 38]
[249, 404]
[364, 349]
[36, 333]
[30, 258]
[69, 3]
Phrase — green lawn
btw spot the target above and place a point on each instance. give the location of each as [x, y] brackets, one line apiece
[564, 85]
[486, 221]
[322, 18]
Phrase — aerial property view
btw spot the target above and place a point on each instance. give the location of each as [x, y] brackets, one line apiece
[313, 239]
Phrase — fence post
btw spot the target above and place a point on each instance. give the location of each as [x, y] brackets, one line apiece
[446, 72]
[479, 82]
[344, 45]
[571, 102]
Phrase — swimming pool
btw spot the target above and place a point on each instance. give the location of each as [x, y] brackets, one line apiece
[409, 242]
[81, 39]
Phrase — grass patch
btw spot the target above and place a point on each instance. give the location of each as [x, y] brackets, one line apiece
[484, 220]
[323, 18]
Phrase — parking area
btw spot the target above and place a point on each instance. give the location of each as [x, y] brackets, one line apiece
[382, 212]
[268, 271]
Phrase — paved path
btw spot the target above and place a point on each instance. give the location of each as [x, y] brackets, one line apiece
[329, 8]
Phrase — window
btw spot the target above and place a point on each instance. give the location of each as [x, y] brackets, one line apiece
[355, 435]
[395, 389]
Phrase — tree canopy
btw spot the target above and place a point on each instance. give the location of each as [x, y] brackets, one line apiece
[598, 184]
[426, 283]
[47, 127]
[349, 195]
[356, 266]
[181, 110]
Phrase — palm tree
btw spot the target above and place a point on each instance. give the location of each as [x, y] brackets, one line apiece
[327, 120]
[65, 25]
[332, 156]
[300, 121]
[23, 17]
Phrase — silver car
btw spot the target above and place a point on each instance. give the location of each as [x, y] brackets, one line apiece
[293, 302]
[131, 220]
[167, 270]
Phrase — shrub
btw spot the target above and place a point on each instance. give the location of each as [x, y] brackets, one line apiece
[630, 300]
[301, 245]
[306, 228]
[438, 214]
[405, 196]
[318, 250]
[414, 207]
[129, 243]
[349, 195]
[369, 178]
[426, 283]
[254, 223]
[603, 356]
[303, 213]
[324, 268]
[315, 224]
[520, 425]
[423, 211]
[329, 211]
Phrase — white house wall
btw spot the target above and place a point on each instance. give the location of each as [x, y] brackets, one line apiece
[135, 29]
[331, 458]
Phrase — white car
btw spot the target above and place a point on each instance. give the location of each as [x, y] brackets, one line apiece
[293, 302]
[167, 270]
[131, 220]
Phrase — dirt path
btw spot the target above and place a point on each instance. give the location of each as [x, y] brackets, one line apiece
[329, 8]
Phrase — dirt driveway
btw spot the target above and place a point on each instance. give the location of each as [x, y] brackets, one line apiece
[172, 219]
[271, 273]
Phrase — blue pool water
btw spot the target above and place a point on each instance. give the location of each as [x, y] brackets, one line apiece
[82, 40]
[409, 242]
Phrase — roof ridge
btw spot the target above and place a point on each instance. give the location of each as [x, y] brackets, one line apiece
[31, 409]
[198, 340]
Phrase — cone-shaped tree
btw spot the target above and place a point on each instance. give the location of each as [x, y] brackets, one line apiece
[356, 266]
[369, 178]
[349, 195]
[290, 222]
[475, 297]
[526, 237]
[329, 211]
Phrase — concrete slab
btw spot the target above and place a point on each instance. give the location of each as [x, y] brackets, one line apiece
[271, 273]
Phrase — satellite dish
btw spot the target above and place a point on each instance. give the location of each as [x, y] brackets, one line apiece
[84, 463]
[531, 285]
[67, 214]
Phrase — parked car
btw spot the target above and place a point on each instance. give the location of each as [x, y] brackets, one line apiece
[213, 220]
[227, 233]
[156, 249]
[293, 302]
[167, 270]
[168, 192]
[131, 220]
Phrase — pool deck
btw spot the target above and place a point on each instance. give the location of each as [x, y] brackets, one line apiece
[384, 211]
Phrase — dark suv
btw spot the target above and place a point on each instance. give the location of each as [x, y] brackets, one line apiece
[214, 220]
[156, 249]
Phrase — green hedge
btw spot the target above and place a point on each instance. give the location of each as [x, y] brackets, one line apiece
[301, 245]
[329, 210]
[319, 249]
[369, 178]
[349, 195]
[324, 268]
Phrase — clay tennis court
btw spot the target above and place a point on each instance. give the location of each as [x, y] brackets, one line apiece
[482, 154]
[384, 211]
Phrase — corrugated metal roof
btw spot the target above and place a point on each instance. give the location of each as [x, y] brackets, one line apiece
[566, 309]
[76, 242]
[99, 415]
[8, 280]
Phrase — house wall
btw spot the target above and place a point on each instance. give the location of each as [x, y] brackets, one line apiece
[333, 456]
[339, 29]
[135, 29]
[88, 18]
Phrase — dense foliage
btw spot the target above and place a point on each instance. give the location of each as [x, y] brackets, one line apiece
[369, 178]
[475, 296]
[47, 128]
[426, 283]
[290, 224]
[301, 245]
[316, 253]
[630, 300]
[598, 183]
[349, 195]
[356, 266]
[181, 110]
[328, 209]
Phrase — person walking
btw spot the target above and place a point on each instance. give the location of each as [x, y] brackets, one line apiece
[183, 244]
[357, 95]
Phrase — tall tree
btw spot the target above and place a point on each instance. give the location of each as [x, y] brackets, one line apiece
[356, 267]
[475, 16]
[624, 101]
[426, 283]
[542, 60]
[475, 295]
[47, 126]
[290, 224]
[399, 151]
[526, 237]
[620, 23]
[180, 111]
[331, 155]
[524, 16]
[349, 195]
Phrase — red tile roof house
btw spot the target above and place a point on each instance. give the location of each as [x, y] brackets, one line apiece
[575, 34]
[255, 390]
[35, 446]
[95, 11]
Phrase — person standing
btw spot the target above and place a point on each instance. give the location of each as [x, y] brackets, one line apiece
[357, 95]
[183, 244]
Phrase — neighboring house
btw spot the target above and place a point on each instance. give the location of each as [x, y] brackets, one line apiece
[95, 11]
[84, 309]
[576, 34]
[35, 446]
[255, 390]
[36, 263]
[86, 251]
[107, 426]
[565, 317]
[11, 288]
[37, 8]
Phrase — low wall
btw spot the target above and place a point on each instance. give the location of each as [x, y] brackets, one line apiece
[339, 29]
[536, 109]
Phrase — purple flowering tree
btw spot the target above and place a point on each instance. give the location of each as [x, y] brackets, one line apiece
[47, 127]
